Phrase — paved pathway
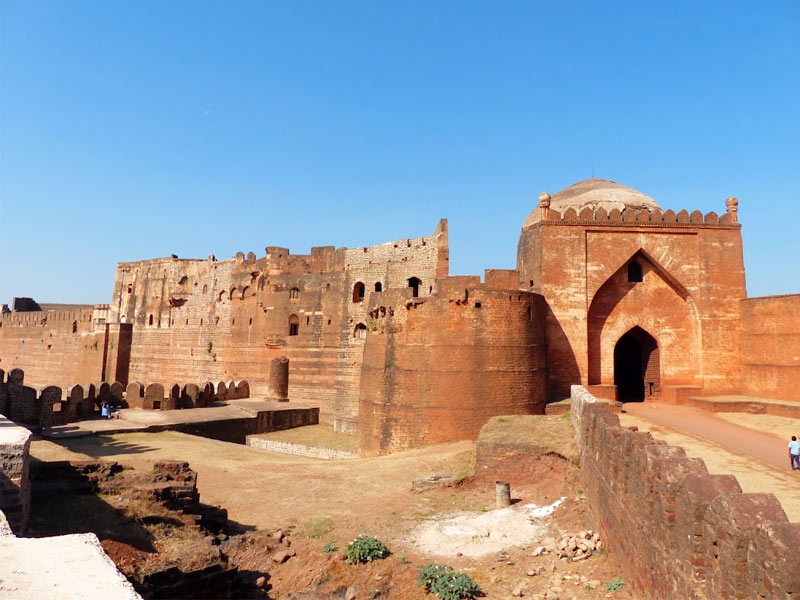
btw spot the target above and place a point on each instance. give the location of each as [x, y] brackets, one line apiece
[762, 445]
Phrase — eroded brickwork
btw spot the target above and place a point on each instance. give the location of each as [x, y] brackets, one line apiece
[683, 533]
[435, 369]
[178, 320]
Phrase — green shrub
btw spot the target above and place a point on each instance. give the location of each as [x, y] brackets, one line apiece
[446, 583]
[615, 584]
[365, 549]
[329, 547]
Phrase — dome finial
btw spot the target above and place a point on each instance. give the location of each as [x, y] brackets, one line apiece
[544, 205]
[732, 206]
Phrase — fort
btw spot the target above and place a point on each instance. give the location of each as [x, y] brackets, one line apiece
[611, 292]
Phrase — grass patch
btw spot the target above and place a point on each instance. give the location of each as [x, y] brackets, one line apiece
[316, 527]
[546, 433]
[615, 584]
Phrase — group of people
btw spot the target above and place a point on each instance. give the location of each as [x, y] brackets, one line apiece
[794, 454]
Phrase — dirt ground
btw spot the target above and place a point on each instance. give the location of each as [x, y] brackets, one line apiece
[738, 444]
[327, 503]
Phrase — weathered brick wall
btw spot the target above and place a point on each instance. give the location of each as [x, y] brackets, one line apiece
[14, 474]
[770, 347]
[435, 369]
[689, 299]
[186, 320]
[43, 344]
[678, 531]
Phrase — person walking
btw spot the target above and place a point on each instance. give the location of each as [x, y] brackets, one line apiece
[794, 454]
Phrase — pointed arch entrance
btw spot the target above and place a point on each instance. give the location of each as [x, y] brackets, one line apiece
[637, 369]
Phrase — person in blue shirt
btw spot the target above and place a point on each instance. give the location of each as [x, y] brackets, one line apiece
[105, 410]
[794, 454]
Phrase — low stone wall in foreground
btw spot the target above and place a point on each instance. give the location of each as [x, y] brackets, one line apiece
[678, 531]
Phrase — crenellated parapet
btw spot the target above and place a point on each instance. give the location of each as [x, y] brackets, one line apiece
[635, 217]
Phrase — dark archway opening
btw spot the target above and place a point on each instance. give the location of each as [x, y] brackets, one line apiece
[358, 292]
[636, 366]
[414, 283]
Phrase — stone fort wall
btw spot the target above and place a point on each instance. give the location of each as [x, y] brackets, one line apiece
[770, 347]
[59, 347]
[683, 532]
[435, 369]
[190, 320]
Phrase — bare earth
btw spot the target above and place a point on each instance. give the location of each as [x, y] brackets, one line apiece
[736, 444]
[322, 501]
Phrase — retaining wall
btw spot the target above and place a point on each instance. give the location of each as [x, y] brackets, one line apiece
[299, 449]
[678, 531]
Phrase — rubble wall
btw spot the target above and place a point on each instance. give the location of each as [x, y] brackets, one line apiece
[677, 531]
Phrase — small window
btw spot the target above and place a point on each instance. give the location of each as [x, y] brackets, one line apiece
[250, 322]
[294, 325]
[294, 294]
[634, 271]
[329, 321]
[151, 319]
[360, 331]
[130, 288]
[74, 327]
[308, 320]
[477, 305]
[378, 286]
[358, 292]
[414, 283]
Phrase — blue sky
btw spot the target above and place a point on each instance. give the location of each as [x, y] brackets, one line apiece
[131, 130]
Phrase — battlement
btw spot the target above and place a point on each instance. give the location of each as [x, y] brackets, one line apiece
[633, 217]
[75, 320]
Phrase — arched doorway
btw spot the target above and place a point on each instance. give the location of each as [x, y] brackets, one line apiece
[636, 366]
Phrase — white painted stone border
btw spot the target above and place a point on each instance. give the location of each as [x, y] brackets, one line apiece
[299, 449]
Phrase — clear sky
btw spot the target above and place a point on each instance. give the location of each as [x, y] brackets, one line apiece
[132, 130]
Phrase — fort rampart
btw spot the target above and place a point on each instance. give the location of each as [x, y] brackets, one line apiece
[173, 319]
[771, 346]
[683, 533]
[435, 369]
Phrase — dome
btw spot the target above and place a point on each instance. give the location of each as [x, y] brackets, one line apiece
[595, 193]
